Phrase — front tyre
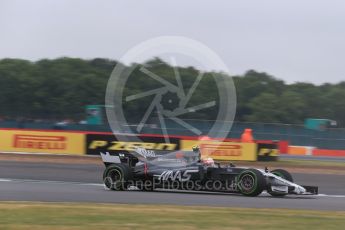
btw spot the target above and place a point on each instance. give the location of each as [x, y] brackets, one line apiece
[116, 177]
[251, 182]
[283, 174]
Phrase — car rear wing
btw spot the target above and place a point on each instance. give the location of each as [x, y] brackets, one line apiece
[118, 158]
[107, 158]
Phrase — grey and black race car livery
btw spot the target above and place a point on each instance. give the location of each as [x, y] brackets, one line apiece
[145, 170]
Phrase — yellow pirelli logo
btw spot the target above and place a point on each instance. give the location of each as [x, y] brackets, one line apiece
[130, 146]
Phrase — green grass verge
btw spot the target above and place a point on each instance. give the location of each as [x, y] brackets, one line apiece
[23, 215]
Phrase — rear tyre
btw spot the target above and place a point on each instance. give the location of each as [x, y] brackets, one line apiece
[283, 174]
[116, 177]
[251, 182]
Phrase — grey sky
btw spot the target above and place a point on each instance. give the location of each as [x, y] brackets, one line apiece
[295, 40]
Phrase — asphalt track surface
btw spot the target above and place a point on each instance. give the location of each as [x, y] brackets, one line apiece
[24, 181]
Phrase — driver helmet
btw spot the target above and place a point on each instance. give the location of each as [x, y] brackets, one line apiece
[208, 161]
[195, 149]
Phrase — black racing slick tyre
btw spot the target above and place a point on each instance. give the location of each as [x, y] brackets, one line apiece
[251, 182]
[283, 174]
[117, 177]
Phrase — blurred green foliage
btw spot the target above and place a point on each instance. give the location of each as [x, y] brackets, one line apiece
[61, 88]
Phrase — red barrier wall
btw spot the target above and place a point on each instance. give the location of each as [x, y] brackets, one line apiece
[328, 152]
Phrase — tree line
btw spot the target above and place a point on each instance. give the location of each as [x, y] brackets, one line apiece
[61, 88]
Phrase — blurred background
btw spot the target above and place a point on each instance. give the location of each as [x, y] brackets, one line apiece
[68, 94]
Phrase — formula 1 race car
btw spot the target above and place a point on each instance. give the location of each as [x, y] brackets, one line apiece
[145, 170]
